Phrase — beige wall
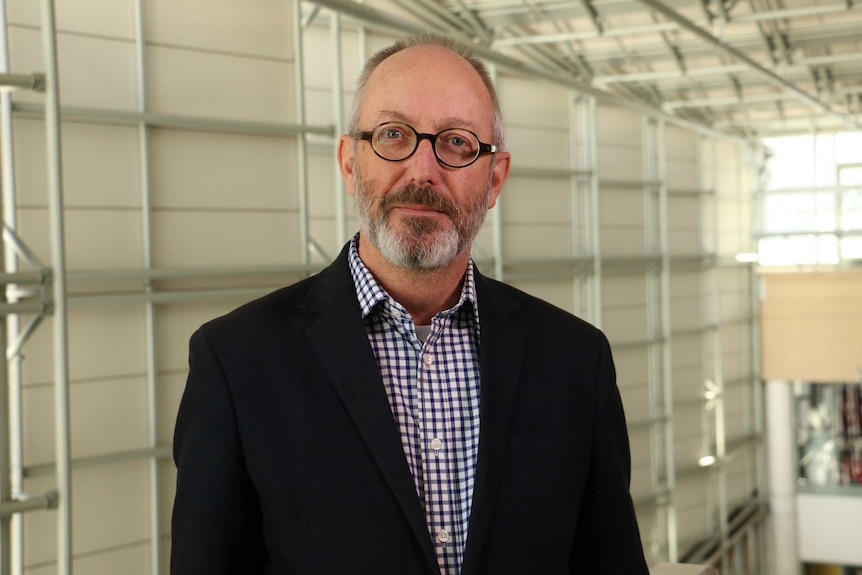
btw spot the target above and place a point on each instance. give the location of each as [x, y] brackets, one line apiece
[812, 326]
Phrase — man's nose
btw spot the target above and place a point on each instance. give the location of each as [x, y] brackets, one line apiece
[423, 164]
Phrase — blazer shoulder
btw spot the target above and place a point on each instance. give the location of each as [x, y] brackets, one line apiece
[277, 305]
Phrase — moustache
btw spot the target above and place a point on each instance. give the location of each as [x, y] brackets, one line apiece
[421, 196]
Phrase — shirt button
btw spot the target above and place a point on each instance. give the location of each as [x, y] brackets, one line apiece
[427, 359]
[395, 314]
[443, 536]
[436, 444]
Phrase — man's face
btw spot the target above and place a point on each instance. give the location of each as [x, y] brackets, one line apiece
[417, 212]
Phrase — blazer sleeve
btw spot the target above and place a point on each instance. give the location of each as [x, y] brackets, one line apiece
[216, 520]
[607, 540]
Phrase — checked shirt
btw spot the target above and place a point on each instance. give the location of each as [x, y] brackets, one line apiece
[433, 390]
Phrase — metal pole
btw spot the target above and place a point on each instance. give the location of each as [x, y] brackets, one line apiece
[5, 440]
[149, 306]
[338, 113]
[58, 251]
[591, 149]
[302, 152]
[718, 364]
[578, 247]
[667, 364]
[11, 532]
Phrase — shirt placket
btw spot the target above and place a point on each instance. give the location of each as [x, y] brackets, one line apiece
[436, 447]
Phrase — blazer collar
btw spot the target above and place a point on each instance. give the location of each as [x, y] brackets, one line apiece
[501, 352]
[338, 335]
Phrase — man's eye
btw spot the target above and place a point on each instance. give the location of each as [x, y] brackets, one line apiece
[457, 141]
[391, 134]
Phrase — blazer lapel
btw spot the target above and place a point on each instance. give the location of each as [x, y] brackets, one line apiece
[501, 351]
[339, 337]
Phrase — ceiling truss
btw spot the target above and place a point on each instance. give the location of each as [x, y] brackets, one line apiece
[743, 68]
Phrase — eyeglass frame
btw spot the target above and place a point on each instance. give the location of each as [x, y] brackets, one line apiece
[484, 148]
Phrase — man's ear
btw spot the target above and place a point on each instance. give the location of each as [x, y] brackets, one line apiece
[346, 161]
[499, 175]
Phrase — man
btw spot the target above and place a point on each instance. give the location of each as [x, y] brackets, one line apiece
[399, 413]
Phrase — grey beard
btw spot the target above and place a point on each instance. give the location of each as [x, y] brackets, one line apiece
[424, 244]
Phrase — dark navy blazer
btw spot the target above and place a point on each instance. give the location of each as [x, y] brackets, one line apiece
[290, 463]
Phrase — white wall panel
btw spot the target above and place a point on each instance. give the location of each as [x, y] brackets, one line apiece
[322, 179]
[682, 175]
[252, 27]
[95, 72]
[546, 200]
[621, 208]
[622, 242]
[535, 148]
[116, 183]
[95, 239]
[37, 409]
[201, 170]
[319, 108]
[640, 447]
[619, 164]
[625, 324]
[200, 239]
[636, 401]
[319, 62]
[322, 231]
[623, 291]
[618, 127]
[681, 144]
[113, 18]
[185, 82]
[631, 364]
[641, 486]
[111, 510]
[528, 103]
[537, 241]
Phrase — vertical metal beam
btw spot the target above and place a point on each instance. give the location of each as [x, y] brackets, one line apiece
[5, 440]
[149, 307]
[301, 145]
[338, 114]
[653, 328]
[718, 366]
[666, 332]
[589, 159]
[577, 207]
[11, 532]
[58, 252]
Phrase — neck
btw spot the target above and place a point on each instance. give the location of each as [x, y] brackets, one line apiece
[422, 292]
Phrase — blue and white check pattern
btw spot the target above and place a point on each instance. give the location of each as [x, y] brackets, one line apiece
[433, 389]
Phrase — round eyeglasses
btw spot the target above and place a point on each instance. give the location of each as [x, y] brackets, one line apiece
[396, 141]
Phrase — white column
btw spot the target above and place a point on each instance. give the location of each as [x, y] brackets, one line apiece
[781, 458]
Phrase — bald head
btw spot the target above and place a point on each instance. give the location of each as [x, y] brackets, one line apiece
[434, 42]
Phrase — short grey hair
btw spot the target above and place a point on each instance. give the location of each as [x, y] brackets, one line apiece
[430, 39]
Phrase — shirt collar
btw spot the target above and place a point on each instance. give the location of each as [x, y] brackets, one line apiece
[370, 293]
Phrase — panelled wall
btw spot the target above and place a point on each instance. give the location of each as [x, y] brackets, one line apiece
[625, 221]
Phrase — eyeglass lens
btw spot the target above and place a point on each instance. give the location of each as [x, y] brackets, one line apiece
[396, 141]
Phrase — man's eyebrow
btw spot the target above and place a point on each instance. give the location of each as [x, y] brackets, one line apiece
[443, 124]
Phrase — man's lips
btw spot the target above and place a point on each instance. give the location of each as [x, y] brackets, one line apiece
[419, 209]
